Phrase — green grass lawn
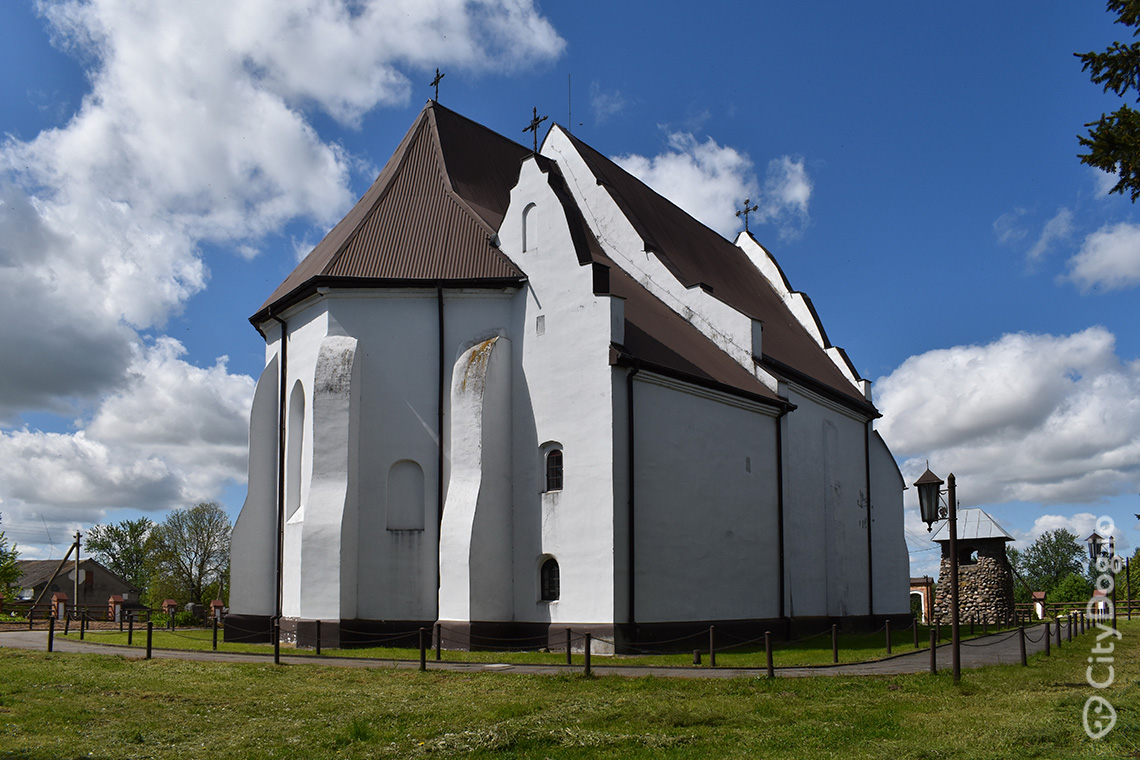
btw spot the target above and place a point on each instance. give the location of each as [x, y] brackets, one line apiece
[69, 706]
[811, 650]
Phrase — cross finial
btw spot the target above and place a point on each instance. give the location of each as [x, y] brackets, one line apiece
[435, 83]
[533, 127]
[746, 211]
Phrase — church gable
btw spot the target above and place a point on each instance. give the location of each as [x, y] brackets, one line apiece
[431, 216]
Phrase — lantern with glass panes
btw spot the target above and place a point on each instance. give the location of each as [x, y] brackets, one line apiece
[929, 488]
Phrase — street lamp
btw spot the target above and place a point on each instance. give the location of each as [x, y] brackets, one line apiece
[928, 493]
[1101, 548]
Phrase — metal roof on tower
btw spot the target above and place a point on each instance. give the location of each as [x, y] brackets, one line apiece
[431, 215]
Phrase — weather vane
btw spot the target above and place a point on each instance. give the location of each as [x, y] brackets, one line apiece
[746, 211]
[435, 83]
[533, 127]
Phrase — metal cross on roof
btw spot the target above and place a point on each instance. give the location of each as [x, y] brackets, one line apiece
[435, 83]
[746, 211]
[533, 127]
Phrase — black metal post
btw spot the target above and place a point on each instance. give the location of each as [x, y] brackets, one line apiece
[1058, 632]
[149, 637]
[130, 630]
[51, 633]
[888, 629]
[768, 653]
[1048, 636]
[933, 652]
[834, 643]
[318, 647]
[438, 642]
[569, 647]
[275, 632]
[587, 653]
[66, 624]
[955, 638]
[82, 624]
[712, 646]
[1021, 644]
[423, 649]
[914, 625]
[215, 634]
[1069, 627]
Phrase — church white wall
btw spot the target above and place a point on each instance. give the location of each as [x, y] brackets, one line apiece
[561, 333]
[476, 539]
[706, 544]
[891, 559]
[253, 545]
[328, 535]
[825, 509]
[307, 327]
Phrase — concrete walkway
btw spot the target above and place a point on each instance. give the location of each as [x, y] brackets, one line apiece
[998, 648]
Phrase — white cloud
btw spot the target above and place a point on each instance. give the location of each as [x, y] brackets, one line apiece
[1034, 418]
[604, 103]
[787, 191]
[196, 129]
[1056, 229]
[173, 435]
[1008, 227]
[710, 181]
[1109, 258]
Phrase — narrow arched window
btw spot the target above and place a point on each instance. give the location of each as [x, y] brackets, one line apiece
[530, 227]
[294, 448]
[549, 580]
[554, 470]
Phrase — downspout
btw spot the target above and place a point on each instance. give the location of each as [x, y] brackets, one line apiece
[780, 514]
[630, 476]
[280, 483]
[439, 446]
[870, 562]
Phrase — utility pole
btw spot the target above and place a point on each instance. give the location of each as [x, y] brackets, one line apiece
[75, 599]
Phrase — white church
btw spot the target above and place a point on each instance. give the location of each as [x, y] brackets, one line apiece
[512, 393]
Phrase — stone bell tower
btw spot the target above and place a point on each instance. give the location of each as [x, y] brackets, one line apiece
[985, 578]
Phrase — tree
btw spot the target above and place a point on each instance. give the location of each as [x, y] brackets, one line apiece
[122, 548]
[188, 555]
[1053, 556]
[1114, 140]
[9, 571]
[1073, 588]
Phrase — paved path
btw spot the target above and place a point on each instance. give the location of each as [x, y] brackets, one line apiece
[998, 648]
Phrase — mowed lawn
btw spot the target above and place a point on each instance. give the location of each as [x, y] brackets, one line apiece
[70, 706]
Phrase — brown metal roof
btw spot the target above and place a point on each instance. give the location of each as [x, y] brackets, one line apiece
[430, 215]
[696, 255]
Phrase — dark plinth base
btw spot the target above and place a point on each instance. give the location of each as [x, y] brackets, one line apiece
[622, 638]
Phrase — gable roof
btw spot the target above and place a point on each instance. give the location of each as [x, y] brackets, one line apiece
[973, 525]
[36, 572]
[431, 215]
[697, 255]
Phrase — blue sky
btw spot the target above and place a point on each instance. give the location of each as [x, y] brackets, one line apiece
[163, 166]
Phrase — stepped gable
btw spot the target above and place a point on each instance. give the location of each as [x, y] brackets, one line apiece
[656, 337]
[697, 255]
[431, 216]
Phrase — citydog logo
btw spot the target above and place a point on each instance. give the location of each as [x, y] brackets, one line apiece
[1098, 729]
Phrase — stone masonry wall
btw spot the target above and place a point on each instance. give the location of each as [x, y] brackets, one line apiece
[985, 588]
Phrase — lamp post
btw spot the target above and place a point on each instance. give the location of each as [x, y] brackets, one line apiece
[928, 492]
[1102, 554]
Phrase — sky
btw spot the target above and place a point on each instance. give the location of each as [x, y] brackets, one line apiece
[163, 167]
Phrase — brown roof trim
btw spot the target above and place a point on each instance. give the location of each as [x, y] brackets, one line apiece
[310, 287]
[779, 368]
[619, 357]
